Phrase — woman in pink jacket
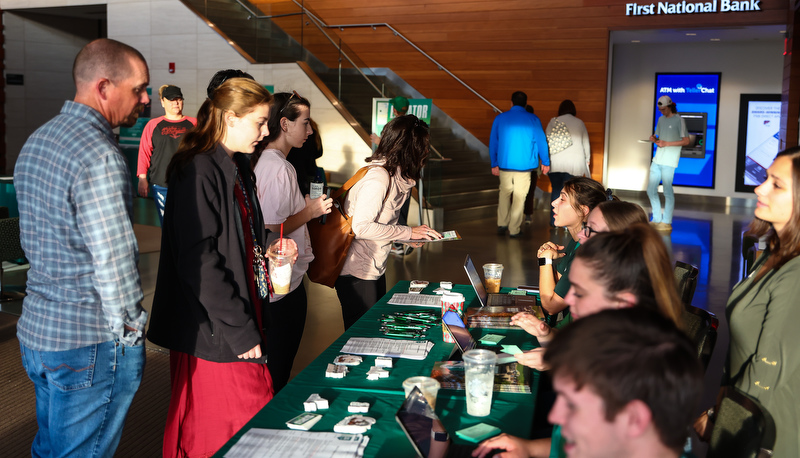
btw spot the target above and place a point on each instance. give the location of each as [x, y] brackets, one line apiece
[374, 204]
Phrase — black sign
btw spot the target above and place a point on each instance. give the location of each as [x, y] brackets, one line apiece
[15, 79]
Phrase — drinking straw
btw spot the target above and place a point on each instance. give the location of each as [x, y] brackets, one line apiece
[280, 246]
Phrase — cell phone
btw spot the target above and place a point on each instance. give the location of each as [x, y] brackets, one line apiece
[327, 196]
[532, 289]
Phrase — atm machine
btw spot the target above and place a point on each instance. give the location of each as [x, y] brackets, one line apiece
[696, 125]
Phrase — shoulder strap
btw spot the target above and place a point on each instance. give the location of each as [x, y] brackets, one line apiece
[352, 181]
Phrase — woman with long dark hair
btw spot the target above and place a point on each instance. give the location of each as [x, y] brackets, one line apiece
[579, 197]
[211, 281]
[374, 202]
[283, 204]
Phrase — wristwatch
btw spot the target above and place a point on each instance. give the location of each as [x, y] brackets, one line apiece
[440, 436]
[545, 262]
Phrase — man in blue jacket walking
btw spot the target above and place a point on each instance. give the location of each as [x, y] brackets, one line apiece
[516, 146]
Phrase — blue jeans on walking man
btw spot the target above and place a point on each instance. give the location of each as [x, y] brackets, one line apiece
[665, 175]
[82, 397]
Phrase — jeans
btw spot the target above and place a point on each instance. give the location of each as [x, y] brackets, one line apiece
[82, 397]
[159, 194]
[557, 180]
[665, 175]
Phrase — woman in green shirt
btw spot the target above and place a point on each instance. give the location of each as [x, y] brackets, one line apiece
[578, 197]
[612, 270]
[763, 311]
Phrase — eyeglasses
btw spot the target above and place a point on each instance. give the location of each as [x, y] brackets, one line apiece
[588, 231]
[294, 94]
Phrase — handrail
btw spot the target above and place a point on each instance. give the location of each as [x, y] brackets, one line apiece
[320, 24]
[333, 42]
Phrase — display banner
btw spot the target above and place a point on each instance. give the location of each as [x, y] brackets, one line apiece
[759, 138]
[382, 111]
[695, 94]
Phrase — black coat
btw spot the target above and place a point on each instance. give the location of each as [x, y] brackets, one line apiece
[202, 305]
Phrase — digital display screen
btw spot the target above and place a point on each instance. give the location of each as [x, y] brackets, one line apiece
[759, 138]
[695, 94]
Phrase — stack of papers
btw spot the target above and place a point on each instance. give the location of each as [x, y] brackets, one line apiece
[409, 349]
[424, 300]
[263, 443]
[447, 236]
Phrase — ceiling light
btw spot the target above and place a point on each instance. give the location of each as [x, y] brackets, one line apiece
[715, 39]
[635, 41]
[691, 34]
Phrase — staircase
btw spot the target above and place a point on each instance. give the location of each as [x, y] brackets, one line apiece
[462, 184]
[465, 187]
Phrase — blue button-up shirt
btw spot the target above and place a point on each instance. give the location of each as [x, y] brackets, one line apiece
[75, 203]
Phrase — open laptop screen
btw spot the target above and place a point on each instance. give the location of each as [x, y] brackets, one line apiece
[475, 281]
[455, 326]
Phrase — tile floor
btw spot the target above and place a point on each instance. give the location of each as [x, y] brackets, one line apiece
[705, 235]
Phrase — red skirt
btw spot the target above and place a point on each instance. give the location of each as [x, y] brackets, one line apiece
[210, 402]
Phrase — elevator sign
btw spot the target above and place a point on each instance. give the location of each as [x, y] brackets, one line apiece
[684, 7]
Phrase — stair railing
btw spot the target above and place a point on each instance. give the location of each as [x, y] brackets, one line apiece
[320, 24]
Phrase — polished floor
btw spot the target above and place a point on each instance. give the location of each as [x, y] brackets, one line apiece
[705, 235]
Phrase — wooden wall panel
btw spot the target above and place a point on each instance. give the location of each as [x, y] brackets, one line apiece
[551, 50]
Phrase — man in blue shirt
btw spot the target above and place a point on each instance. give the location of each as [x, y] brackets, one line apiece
[81, 329]
[516, 146]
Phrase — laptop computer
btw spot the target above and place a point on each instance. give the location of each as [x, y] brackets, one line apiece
[464, 341]
[485, 299]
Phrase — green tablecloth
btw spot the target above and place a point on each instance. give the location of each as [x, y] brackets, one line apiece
[511, 412]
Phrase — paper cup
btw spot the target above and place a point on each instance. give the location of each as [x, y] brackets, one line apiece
[454, 302]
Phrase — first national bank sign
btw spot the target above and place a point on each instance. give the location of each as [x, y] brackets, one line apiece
[684, 7]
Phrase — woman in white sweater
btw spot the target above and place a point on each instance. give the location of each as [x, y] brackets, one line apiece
[374, 203]
[572, 161]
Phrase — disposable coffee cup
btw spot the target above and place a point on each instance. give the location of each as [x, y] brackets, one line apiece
[452, 302]
[479, 367]
[428, 385]
[281, 260]
[493, 273]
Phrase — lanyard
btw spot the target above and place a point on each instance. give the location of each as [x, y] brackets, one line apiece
[263, 284]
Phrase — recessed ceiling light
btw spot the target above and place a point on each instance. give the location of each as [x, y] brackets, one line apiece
[635, 41]
[781, 31]
[691, 34]
[715, 39]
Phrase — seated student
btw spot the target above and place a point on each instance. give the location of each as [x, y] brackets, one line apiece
[625, 268]
[612, 270]
[611, 216]
[628, 382]
[578, 197]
